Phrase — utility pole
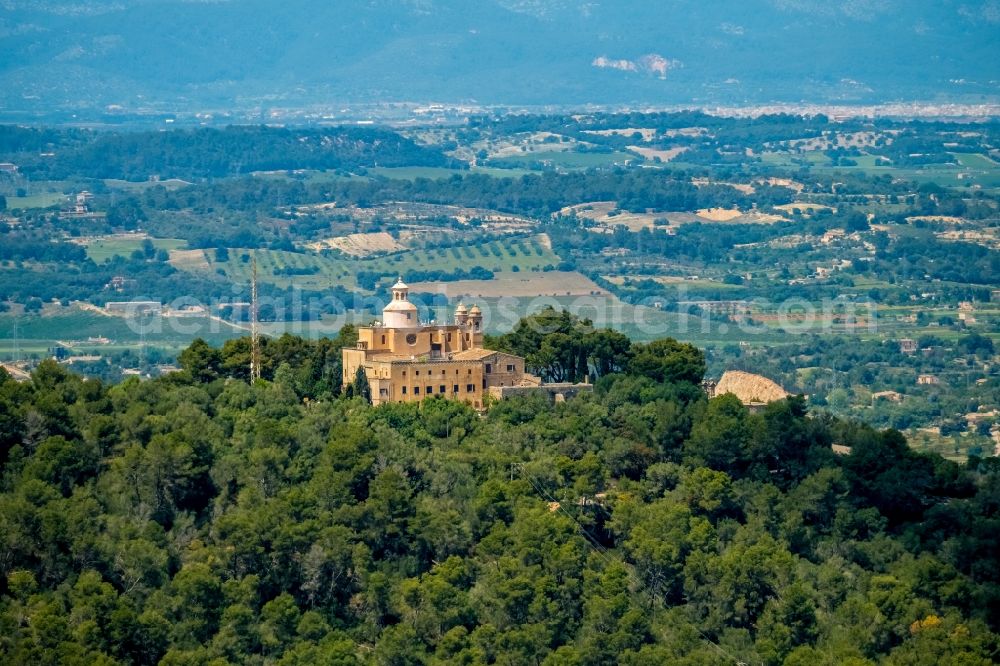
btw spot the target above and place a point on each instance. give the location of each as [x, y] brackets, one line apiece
[254, 333]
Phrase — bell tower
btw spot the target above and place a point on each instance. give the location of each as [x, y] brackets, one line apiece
[475, 326]
[400, 312]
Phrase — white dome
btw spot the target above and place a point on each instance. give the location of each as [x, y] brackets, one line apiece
[400, 312]
[400, 306]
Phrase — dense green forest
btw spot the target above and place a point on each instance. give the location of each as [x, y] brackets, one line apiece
[205, 152]
[196, 519]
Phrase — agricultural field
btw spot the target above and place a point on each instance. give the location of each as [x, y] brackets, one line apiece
[569, 160]
[805, 207]
[40, 200]
[607, 214]
[436, 173]
[653, 154]
[412, 173]
[74, 325]
[645, 133]
[102, 248]
[702, 284]
[189, 260]
[141, 186]
[516, 285]
[527, 253]
[359, 245]
[969, 169]
[976, 161]
[309, 176]
[955, 447]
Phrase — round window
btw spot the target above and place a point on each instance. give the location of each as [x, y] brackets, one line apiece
[411, 339]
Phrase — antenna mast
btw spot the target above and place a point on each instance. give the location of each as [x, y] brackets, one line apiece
[254, 333]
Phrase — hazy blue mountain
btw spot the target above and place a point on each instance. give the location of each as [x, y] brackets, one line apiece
[196, 54]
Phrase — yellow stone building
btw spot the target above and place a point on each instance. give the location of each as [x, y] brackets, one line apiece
[406, 360]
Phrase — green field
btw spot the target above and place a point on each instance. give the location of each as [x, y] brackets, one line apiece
[169, 183]
[568, 159]
[412, 173]
[42, 200]
[810, 158]
[436, 173]
[976, 161]
[105, 248]
[39, 332]
[975, 169]
[526, 253]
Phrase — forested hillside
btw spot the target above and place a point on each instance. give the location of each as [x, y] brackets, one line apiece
[206, 152]
[196, 519]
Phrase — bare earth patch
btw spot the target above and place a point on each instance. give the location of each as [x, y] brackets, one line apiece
[986, 237]
[604, 213]
[189, 260]
[359, 245]
[719, 214]
[521, 144]
[652, 153]
[755, 217]
[740, 187]
[785, 182]
[804, 207]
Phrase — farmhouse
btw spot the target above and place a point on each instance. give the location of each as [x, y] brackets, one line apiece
[405, 360]
[80, 209]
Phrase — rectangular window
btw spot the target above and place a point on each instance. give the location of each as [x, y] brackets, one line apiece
[383, 339]
[470, 388]
[404, 373]
[510, 368]
[449, 337]
[430, 390]
[417, 373]
[454, 389]
[443, 389]
[416, 390]
[489, 368]
[404, 390]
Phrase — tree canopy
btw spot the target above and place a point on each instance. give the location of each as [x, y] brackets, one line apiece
[198, 519]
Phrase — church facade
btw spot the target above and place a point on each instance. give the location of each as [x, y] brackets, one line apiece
[407, 361]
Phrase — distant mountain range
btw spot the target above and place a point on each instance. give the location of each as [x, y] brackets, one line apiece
[195, 54]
